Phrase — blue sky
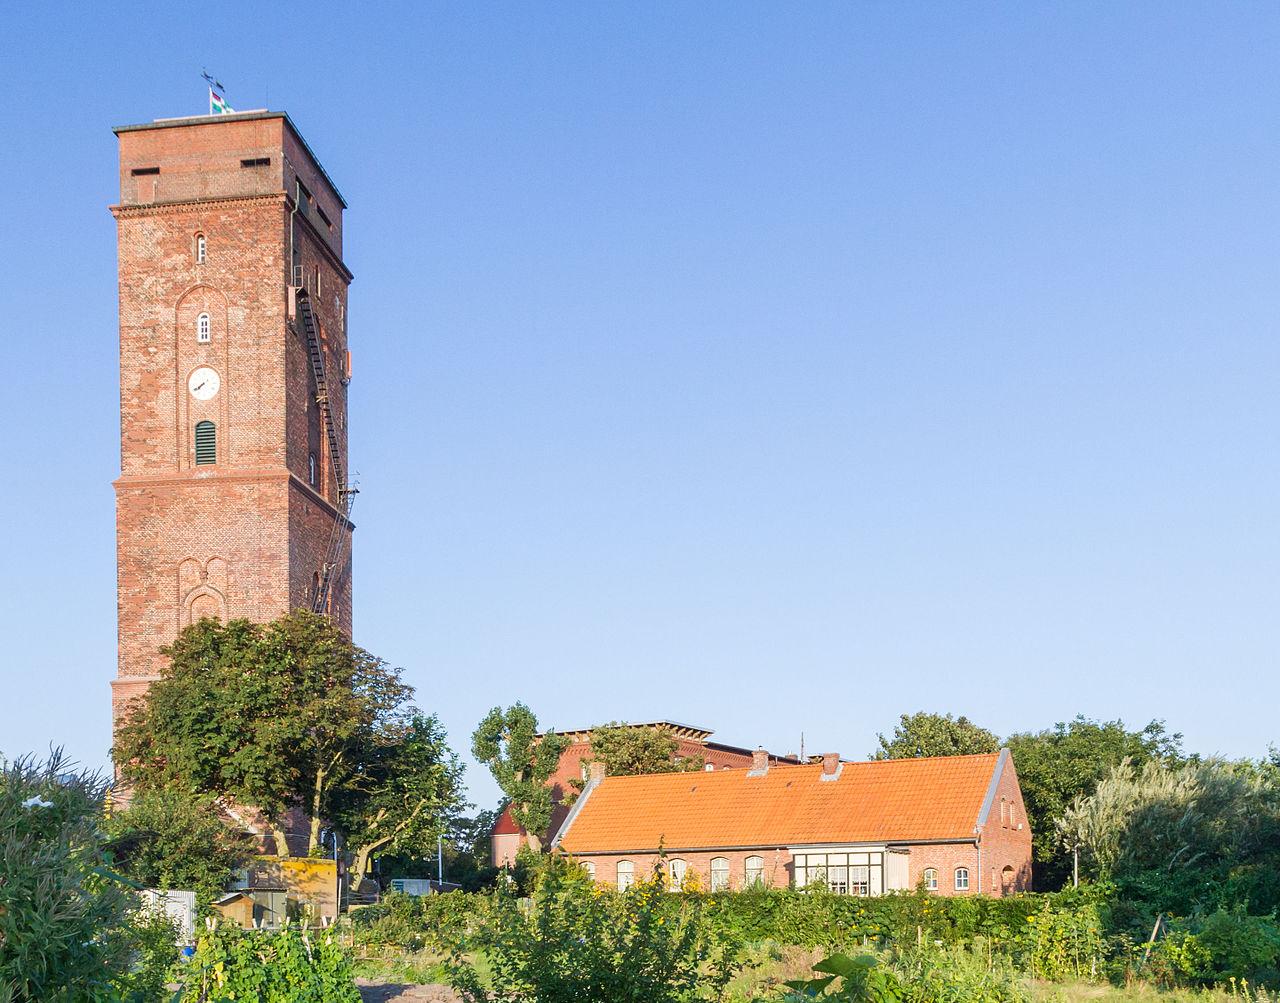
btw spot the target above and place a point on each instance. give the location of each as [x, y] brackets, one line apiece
[775, 368]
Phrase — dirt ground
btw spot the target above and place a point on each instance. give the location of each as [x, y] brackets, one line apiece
[390, 992]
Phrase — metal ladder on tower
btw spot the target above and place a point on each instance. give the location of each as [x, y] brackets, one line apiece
[346, 493]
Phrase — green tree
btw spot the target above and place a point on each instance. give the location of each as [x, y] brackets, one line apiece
[521, 761]
[286, 715]
[628, 751]
[1175, 836]
[924, 734]
[167, 839]
[406, 794]
[1060, 764]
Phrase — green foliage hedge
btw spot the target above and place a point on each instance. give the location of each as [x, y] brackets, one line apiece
[255, 966]
[1062, 936]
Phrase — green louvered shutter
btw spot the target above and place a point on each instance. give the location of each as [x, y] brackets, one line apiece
[206, 442]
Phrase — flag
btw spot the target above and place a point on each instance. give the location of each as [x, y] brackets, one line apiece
[218, 104]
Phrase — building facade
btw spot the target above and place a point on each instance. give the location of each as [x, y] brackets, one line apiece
[954, 825]
[232, 499]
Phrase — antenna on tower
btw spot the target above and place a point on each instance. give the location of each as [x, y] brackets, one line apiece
[802, 759]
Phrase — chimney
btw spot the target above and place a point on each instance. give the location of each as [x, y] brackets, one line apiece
[830, 763]
[759, 763]
[596, 771]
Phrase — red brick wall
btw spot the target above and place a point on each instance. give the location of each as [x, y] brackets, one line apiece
[1006, 839]
[242, 537]
[777, 866]
[944, 858]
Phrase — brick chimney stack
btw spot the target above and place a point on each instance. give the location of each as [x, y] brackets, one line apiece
[596, 771]
[759, 763]
[830, 763]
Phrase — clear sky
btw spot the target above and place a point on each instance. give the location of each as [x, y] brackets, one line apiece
[773, 368]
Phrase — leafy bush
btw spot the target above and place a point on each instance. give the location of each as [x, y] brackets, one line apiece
[921, 976]
[1224, 946]
[412, 923]
[69, 930]
[254, 966]
[842, 979]
[575, 941]
[167, 839]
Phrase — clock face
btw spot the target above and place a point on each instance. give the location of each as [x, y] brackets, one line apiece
[203, 383]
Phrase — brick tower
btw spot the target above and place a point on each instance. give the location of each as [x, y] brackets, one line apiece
[232, 499]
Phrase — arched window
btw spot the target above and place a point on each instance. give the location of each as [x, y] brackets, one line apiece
[719, 874]
[677, 869]
[202, 329]
[626, 875]
[931, 878]
[202, 249]
[753, 872]
[206, 442]
[1008, 882]
[590, 867]
[311, 468]
[962, 879]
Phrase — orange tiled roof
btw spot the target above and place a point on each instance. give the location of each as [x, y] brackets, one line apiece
[896, 800]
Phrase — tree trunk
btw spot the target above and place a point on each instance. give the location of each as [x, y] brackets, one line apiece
[282, 844]
[363, 855]
[313, 841]
[535, 842]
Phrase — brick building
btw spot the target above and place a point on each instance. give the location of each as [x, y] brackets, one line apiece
[691, 743]
[957, 824]
[232, 499]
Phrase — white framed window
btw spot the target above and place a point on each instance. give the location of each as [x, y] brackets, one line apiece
[202, 249]
[719, 874]
[626, 875]
[753, 872]
[203, 331]
[931, 878]
[590, 867]
[962, 879]
[858, 873]
[677, 868]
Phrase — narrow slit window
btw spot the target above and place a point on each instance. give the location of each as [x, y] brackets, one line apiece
[311, 469]
[203, 334]
[256, 162]
[139, 172]
[202, 249]
[206, 443]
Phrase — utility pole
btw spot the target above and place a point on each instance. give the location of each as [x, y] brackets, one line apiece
[1075, 866]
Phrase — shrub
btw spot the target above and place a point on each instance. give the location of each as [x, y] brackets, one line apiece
[68, 927]
[412, 923]
[575, 941]
[919, 976]
[1223, 946]
[167, 839]
[288, 966]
